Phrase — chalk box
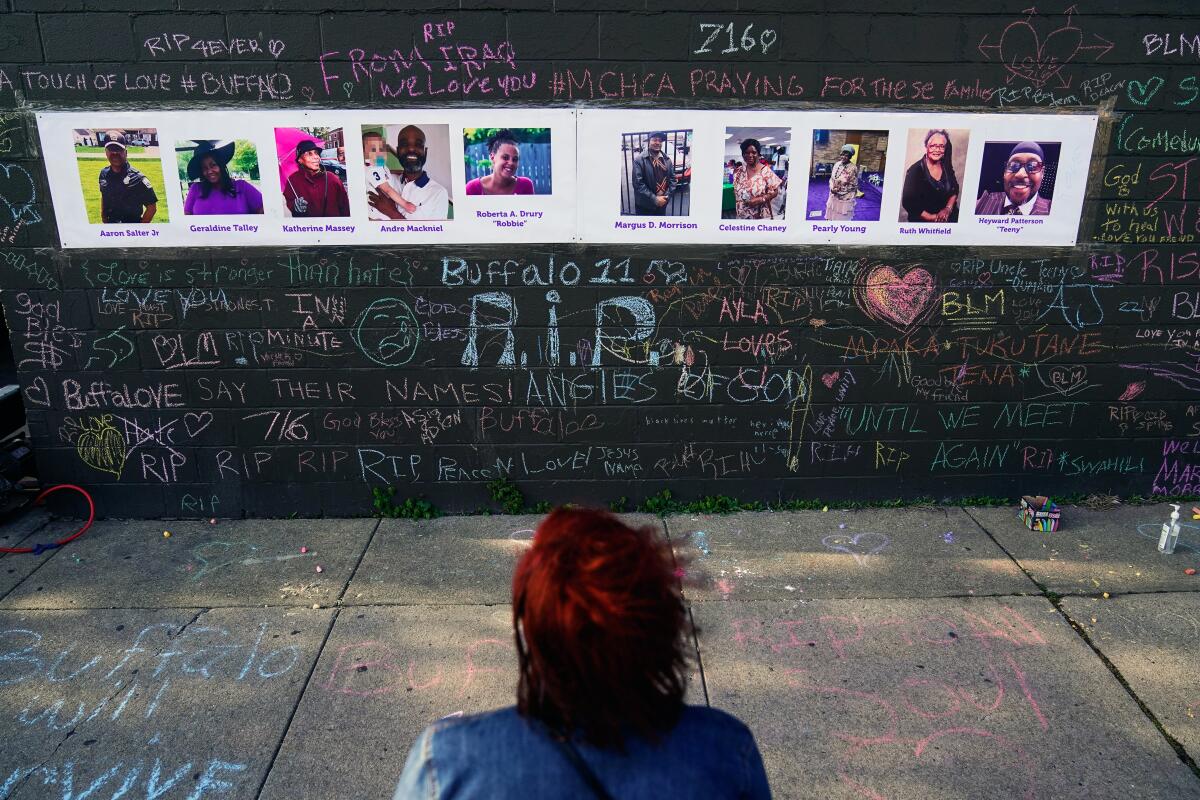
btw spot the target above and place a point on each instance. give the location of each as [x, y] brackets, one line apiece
[1040, 513]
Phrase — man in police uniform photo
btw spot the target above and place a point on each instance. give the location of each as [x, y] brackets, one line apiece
[126, 195]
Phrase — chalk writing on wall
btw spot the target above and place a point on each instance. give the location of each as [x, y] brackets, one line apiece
[303, 373]
[1037, 50]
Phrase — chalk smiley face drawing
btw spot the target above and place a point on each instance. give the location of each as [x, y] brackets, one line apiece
[387, 332]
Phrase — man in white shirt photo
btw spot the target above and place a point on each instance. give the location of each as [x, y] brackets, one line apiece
[411, 194]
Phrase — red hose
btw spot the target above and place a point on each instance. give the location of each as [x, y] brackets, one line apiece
[41, 548]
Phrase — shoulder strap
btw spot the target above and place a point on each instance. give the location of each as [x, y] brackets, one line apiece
[585, 772]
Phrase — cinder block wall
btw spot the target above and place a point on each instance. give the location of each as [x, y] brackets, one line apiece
[1058, 370]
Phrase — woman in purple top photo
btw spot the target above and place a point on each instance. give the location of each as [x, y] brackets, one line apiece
[213, 190]
[506, 157]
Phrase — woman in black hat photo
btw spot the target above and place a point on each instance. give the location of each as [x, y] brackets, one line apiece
[212, 189]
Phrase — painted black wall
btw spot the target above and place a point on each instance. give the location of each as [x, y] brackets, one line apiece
[1055, 370]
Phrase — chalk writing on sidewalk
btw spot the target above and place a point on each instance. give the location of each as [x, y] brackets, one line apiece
[926, 708]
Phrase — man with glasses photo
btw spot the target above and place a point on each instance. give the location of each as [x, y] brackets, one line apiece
[1022, 180]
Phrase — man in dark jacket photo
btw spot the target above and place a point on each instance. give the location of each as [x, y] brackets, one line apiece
[653, 178]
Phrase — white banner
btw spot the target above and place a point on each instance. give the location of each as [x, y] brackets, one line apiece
[244, 178]
[834, 178]
[311, 178]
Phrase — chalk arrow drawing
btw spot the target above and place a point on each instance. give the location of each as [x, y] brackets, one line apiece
[1037, 57]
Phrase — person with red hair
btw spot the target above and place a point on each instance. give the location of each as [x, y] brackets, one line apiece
[602, 634]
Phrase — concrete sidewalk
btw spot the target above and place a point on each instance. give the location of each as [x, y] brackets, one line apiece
[918, 653]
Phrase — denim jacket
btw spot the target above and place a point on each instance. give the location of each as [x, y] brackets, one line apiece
[498, 755]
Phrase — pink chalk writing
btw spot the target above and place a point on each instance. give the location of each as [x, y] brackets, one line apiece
[920, 711]
[438, 65]
[1036, 49]
[372, 669]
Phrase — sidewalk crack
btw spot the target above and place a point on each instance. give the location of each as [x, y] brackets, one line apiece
[1055, 600]
[54, 552]
[350, 578]
[694, 633]
[1175, 744]
[199, 613]
[699, 658]
[120, 686]
[296, 706]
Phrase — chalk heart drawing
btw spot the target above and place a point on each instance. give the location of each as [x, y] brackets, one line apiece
[38, 393]
[1143, 93]
[101, 446]
[524, 535]
[275, 47]
[18, 193]
[898, 300]
[1034, 58]
[1066, 380]
[861, 545]
[1027, 56]
[195, 424]
[830, 378]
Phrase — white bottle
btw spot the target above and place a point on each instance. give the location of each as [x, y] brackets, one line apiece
[1170, 533]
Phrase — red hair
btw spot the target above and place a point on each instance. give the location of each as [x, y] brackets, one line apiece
[600, 628]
